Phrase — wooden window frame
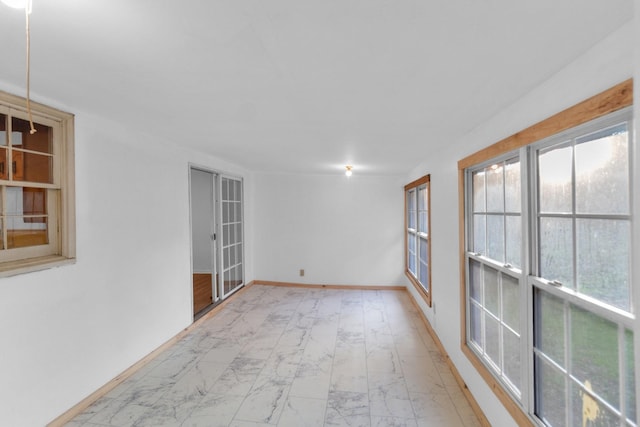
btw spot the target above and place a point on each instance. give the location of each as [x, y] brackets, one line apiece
[424, 291]
[609, 101]
[62, 247]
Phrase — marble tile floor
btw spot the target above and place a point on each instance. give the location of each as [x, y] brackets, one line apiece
[279, 356]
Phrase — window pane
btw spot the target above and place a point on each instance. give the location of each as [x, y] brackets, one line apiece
[26, 201]
[594, 354]
[495, 237]
[475, 281]
[554, 180]
[423, 256]
[225, 211]
[227, 281]
[603, 260]
[511, 302]
[479, 233]
[550, 394]
[4, 170]
[32, 167]
[22, 233]
[491, 301]
[21, 137]
[512, 186]
[478, 191]
[424, 275]
[585, 409]
[512, 357]
[495, 189]
[238, 232]
[492, 336]
[411, 253]
[3, 130]
[422, 209]
[556, 250]
[549, 326]
[475, 325]
[602, 172]
[238, 191]
[4, 174]
[225, 188]
[514, 240]
[630, 380]
[411, 209]
[422, 219]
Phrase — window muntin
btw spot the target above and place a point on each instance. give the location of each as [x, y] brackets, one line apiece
[584, 214]
[496, 212]
[579, 283]
[584, 252]
[417, 250]
[36, 186]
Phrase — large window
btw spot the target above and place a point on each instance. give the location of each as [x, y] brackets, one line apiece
[418, 239]
[36, 187]
[547, 268]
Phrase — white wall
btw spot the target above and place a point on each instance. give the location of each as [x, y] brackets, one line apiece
[636, 206]
[67, 331]
[339, 230]
[605, 65]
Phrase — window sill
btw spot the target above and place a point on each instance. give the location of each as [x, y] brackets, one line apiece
[14, 268]
[426, 296]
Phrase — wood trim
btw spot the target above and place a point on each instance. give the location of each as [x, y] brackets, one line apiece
[520, 417]
[426, 294]
[614, 99]
[329, 286]
[418, 182]
[463, 386]
[461, 258]
[89, 400]
[609, 101]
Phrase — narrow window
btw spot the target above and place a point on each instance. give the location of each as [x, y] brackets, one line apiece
[418, 238]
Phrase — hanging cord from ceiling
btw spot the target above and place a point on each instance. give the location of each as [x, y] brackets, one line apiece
[27, 12]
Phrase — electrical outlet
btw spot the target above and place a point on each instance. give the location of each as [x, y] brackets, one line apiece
[301, 272]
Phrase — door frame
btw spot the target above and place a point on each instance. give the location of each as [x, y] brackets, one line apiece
[217, 279]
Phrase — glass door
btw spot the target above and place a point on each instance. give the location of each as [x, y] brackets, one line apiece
[231, 206]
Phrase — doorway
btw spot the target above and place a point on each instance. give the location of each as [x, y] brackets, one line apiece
[217, 242]
[203, 239]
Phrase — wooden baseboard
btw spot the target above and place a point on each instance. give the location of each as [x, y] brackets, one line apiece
[463, 386]
[89, 400]
[329, 286]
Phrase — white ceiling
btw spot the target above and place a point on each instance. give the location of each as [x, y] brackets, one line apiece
[301, 85]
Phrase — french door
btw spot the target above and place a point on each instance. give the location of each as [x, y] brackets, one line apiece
[216, 237]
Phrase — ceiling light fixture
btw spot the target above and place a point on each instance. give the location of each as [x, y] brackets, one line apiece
[26, 5]
[348, 172]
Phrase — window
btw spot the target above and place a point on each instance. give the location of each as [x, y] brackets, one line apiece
[36, 187]
[418, 239]
[547, 266]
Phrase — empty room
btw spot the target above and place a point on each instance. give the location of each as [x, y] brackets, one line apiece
[308, 213]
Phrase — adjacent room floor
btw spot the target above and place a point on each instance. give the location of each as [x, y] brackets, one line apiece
[295, 357]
